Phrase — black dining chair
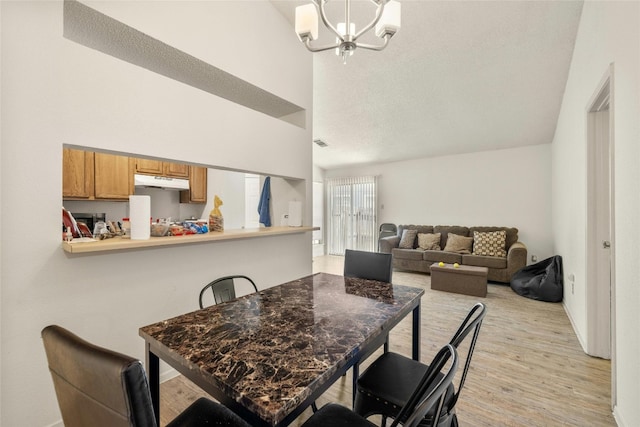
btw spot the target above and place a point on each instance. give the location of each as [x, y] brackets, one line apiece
[224, 288]
[368, 265]
[426, 401]
[98, 387]
[389, 381]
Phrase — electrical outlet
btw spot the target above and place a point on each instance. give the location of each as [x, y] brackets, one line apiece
[534, 258]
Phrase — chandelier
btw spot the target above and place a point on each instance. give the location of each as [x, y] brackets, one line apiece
[386, 23]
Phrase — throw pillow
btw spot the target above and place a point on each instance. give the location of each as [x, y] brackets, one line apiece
[429, 242]
[407, 239]
[458, 244]
[490, 243]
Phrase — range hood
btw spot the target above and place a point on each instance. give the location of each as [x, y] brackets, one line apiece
[161, 182]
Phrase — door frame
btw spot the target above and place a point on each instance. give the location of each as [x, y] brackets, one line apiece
[595, 305]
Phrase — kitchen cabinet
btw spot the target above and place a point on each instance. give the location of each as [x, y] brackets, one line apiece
[160, 168]
[197, 192]
[113, 178]
[175, 170]
[147, 166]
[77, 174]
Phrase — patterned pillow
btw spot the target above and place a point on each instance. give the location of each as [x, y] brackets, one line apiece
[429, 242]
[407, 239]
[458, 244]
[490, 243]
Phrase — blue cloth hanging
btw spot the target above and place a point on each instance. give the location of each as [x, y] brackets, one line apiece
[263, 205]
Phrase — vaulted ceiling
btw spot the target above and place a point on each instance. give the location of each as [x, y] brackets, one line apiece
[459, 77]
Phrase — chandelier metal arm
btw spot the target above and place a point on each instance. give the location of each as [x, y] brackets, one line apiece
[307, 43]
[374, 47]
[325, 21]
[375, 20]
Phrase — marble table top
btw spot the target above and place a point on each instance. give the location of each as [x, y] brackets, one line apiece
[268, 351]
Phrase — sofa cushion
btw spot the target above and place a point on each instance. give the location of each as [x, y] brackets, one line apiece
[411, 254]
[429, 241]
[459, 244]
[444, 231]
[408, 239]
[484, 261]
[512, 233]
[489, 243]
[440, 256]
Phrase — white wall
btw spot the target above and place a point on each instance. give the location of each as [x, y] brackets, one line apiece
[55, 91]
[501, 188]
[609, 32]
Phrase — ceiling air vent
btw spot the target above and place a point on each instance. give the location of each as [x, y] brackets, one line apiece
[320, 143]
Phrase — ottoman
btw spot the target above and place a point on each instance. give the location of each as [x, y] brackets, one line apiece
[465, 279]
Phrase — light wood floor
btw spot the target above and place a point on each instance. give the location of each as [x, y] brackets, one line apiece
[528, 368]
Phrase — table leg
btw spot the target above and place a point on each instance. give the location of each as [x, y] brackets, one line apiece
[355, 371]
[416, 333]
[153, 373]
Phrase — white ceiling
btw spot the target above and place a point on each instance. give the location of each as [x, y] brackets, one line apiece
[459, 77]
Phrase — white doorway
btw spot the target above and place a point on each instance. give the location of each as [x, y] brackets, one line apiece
[251, 198]
[600, 281]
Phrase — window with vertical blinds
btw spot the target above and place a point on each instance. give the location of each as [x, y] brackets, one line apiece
[352, 214]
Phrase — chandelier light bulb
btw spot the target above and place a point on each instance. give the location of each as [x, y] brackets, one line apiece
[307, 22]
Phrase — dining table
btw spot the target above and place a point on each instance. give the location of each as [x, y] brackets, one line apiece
[269, 355]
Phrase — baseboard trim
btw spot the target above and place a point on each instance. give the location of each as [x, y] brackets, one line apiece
[582, 342]
[168, 374]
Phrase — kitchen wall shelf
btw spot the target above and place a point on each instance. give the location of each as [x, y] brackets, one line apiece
[119, 244]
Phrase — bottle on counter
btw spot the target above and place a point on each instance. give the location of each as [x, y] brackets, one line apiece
[126, 228]
[216, 221]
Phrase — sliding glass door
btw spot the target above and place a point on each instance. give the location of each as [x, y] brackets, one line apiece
[352, 214]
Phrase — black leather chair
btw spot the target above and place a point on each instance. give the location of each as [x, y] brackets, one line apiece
[426, 400]
[224, 289]
[98, 387]
[388, 382]
[371, 266]
[368, 265]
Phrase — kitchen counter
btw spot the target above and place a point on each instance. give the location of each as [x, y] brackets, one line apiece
[118, 243]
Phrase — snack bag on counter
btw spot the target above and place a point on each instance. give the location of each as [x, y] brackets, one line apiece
[216, 222]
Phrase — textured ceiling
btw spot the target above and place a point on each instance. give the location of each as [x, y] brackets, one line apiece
[459, 77]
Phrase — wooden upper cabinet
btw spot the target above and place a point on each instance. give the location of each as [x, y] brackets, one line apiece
[87, 175]
[151, 167]
[160, 168]
[197, 192]
[176, 170]
[113, 178]
[77, 174]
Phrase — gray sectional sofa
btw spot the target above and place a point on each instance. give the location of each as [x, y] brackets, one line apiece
[501, 264]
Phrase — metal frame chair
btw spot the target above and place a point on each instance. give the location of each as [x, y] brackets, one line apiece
[374, 395]
[224, 288]
[425, 401]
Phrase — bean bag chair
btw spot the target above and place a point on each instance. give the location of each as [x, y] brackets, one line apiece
[542, 281]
